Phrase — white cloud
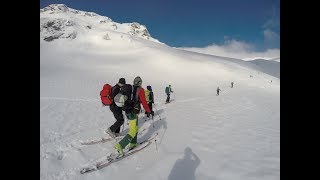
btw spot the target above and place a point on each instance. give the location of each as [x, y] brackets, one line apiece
[270, 36]
[271, 23]
[237, 49]
[270, 29]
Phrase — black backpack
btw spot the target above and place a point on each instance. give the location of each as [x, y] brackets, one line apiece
[123, 98]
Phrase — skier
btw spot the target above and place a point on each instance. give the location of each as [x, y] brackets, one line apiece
[132, 110]
[114, 129]
[231, 84]
[218, 90]
[150, 100]
[168, 91]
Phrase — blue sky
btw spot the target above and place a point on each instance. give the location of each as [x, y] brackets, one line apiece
[194, 23]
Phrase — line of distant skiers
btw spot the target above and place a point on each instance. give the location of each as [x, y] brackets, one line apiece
[218, 89]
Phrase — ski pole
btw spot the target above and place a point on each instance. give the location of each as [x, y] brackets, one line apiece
[125, 119]
[152, 122]
[123, 126]
[158, 114]
[155, 140]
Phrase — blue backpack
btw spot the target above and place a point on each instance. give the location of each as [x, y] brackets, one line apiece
[167, 90]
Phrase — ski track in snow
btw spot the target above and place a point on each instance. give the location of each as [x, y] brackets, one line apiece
[56, 142]
[226, 127]
[224, 130]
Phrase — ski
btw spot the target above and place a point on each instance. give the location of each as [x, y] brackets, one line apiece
[116, 158]
[113, 157]
[168, 102]
[103, 140]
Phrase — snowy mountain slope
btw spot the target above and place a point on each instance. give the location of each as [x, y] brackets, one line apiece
[268, 66]
[235, 135]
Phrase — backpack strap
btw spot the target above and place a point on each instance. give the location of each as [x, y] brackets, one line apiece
[115, 90]
[136, 99]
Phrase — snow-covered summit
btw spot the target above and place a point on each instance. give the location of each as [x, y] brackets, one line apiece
[55, 8]
[59, 21]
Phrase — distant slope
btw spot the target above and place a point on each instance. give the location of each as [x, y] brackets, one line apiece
[269, 67]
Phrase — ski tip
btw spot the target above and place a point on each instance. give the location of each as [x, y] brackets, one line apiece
[86, 170]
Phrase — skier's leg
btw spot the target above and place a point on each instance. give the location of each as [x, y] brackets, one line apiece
[133, 142]
[133, 129]
[119, 117]
[146, 111]
[150, 106]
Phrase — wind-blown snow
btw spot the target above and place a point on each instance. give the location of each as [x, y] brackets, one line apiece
[235, 135]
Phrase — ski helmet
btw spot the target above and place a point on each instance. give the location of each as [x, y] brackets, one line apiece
[137, 81]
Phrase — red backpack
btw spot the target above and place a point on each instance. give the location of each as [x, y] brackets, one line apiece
[105, 95]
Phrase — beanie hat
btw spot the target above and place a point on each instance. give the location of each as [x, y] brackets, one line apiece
[122, 81]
